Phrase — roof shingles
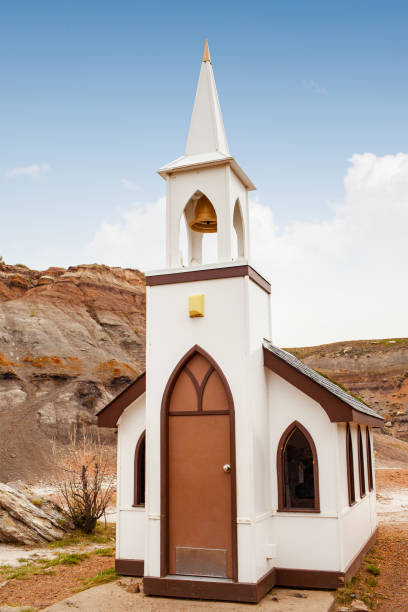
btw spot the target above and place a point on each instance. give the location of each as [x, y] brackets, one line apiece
[324, 382]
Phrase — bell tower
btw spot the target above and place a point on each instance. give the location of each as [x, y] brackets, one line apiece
[206, 397]
[206, 188]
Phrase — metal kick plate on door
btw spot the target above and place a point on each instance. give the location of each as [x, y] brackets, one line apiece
[210, 562]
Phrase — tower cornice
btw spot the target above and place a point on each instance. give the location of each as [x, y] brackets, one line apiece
[195, 162]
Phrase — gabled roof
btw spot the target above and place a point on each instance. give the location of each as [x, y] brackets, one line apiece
[109, 415]
[339, 405]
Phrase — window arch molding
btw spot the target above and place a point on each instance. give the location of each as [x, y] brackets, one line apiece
[282, 505]
[139, 478]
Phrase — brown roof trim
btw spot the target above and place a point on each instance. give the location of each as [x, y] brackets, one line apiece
[109, 415]
[337, 410]
[189, 276]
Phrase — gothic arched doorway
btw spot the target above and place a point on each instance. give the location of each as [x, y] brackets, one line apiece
[198, 471]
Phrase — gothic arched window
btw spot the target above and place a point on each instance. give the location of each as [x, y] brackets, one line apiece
[361, 463]
[140, 472]
[369, 461]
[350, 467]
[298, 476]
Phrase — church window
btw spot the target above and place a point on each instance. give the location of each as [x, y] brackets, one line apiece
[361, 463]
[140, 472]
[350, 467]
[369, 461]
[298, 477]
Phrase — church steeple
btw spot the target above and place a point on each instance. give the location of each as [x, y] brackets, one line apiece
[206, 188]
[206, 133]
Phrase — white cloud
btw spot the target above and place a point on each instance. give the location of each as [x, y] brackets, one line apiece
[315, 87]
[339, 278]
[34, 172]
[136, 241]
[129, 185]
[344, 277]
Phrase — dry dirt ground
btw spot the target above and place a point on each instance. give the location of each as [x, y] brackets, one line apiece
[43, 590]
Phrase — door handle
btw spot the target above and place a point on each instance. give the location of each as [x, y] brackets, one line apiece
[226, 468]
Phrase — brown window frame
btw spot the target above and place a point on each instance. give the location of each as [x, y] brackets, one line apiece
[281, 472]
[361, 468]
[139, 491]
[369, 460]
[350, 467]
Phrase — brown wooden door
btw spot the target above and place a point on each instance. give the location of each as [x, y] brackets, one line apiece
[200, 484]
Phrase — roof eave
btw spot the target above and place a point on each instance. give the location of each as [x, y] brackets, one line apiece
[336, 409]
[109, 415]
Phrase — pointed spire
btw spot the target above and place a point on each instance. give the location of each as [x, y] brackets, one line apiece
[206, 133]
[206, 52]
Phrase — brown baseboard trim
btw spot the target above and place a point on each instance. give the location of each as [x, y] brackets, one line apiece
[199, 589]
[129, 567]
[252, 592]
[308, 579]
[265, 584]
[354, 565]
[189, 276]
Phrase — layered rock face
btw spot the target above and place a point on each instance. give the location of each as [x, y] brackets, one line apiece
[26, 518]
[70, 340]
[374, 370]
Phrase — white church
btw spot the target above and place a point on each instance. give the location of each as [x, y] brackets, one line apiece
[239, 467]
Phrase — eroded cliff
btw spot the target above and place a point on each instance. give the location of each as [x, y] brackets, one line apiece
[70, 340]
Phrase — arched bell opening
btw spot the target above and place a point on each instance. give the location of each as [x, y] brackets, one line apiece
[238, 242]
[200, 221]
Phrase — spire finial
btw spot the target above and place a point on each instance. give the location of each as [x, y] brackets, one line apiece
[206, 52]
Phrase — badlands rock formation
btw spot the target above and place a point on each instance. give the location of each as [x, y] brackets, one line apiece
[70, 340]
[26, 518]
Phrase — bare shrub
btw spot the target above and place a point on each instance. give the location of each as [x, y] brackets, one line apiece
[85, 479]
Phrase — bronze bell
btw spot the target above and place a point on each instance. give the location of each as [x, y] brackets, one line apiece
[205, 218]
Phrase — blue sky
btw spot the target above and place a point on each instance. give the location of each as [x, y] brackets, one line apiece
[95, 93]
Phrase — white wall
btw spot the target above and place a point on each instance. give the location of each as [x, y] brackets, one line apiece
[236, 319]
[130, 540]
[304, 540]
[357, 522]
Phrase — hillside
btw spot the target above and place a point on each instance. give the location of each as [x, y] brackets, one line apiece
[70, 340]
[374, 370]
